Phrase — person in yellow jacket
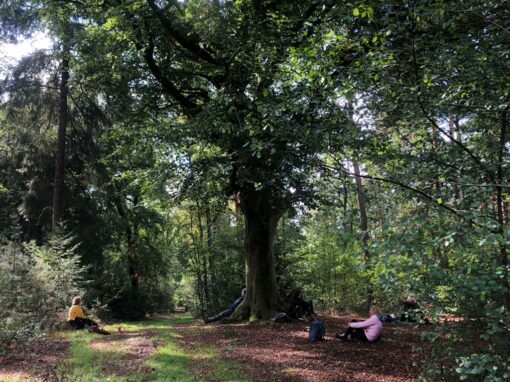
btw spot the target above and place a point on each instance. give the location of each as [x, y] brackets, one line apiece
[77, 319]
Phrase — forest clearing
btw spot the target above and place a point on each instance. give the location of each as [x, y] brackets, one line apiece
[255, 190]
[179, 348]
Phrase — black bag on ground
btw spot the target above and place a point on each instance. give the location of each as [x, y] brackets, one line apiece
[317, 331]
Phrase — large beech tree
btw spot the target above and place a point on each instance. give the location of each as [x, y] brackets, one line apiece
[226, 74]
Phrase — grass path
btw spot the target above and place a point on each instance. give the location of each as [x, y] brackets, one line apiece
[142, 351]
[145, 351]
[179, 348]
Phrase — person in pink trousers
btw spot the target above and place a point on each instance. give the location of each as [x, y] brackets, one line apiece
[368, 331]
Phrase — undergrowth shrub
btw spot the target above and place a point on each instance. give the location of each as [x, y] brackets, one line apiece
[475, 345]
[36, 282]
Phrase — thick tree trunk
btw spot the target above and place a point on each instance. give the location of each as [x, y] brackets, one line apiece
[58, 184]
[261, 214]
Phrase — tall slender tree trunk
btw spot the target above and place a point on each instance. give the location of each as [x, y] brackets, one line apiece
[363, 225]
[210, 253]
[132, 258]
[132, 254]
[503, 247]
[131, 239]
[203, 256]
[58, 183]
[261, 214]
[457, 191]
[195, 257]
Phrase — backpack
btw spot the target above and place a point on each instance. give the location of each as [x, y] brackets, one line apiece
[317, 331]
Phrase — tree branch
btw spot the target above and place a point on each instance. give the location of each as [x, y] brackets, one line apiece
[189, 43]
[405, 186]
[168, 85]
[431, 120]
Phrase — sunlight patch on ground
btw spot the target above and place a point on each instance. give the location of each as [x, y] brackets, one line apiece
[14, 377]
[140, 344]
[292, 371]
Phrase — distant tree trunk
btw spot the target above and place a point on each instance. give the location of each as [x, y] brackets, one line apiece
[195, 256]
[261, 213]
[208, 224]
[132, 259]
[503, 247]
[363, 225]
[132, 255]
[345, 192]
[457, 191]
[210, 253]
[131, 239]
[58, 184]
[203, 256]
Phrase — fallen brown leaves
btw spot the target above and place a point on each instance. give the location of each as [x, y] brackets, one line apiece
[281, 352]
[264, 352]
[38, 357]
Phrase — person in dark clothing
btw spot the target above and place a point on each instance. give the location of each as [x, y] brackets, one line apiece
[227, 312]
[412, 311]
[298, 308]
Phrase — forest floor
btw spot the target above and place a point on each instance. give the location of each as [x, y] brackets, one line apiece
[179, 348]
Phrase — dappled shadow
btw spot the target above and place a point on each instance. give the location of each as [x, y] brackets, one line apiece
[164, 365]
[25, 360]
[281, 352]
[121, 361]
[125, 335]
[140, 344]
[126, 353]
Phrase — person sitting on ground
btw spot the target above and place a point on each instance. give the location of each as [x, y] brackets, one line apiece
[77, 319]
[227, 312]
[412, 311]
[367, 331]
[299, 308]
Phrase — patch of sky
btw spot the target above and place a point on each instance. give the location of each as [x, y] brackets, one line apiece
[12, 53]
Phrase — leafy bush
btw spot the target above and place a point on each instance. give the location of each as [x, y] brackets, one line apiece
[490, 367]
[36, 281]
[474, 347]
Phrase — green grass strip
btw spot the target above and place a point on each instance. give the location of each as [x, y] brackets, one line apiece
[168, 363]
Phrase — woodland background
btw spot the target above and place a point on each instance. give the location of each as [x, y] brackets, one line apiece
[158, 146]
